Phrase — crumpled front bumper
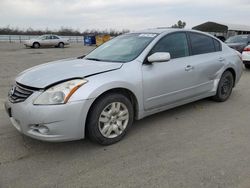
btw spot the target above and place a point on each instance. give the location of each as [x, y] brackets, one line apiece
[49, 122]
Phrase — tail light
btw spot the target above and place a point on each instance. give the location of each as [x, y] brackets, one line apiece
[246, 49]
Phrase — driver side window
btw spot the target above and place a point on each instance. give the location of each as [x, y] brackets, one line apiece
[176, 44]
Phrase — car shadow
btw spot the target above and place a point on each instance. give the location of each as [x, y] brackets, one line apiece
[138, 127]
[246, 70]
[46, 47]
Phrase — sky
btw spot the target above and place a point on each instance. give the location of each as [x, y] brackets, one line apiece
[119, 14]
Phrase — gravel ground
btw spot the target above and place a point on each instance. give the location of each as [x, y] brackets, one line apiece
[202, 144]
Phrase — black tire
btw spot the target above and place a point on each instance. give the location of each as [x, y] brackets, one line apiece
[247, 66]
[61, 45]
[225, 87]
[93, 124]
[36, 45]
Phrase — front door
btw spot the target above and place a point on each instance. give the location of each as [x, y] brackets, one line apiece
[168, 82]
[45, 40]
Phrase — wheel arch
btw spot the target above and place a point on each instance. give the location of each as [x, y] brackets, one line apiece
[124, 91]
[120, 90]
[230, 69]
[35, 43]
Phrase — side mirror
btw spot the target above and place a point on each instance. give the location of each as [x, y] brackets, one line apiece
[159, 57]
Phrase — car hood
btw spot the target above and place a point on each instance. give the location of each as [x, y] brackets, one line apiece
[30, 40]
[44, 75]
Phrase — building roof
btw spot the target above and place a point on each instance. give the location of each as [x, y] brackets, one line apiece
[221, 27]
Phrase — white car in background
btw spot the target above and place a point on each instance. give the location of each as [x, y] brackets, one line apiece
[246, 56]
[47, 40]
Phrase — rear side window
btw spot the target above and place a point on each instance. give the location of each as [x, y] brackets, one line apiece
[201, 44]
[55, 37]
[176, 44]
[217, 45]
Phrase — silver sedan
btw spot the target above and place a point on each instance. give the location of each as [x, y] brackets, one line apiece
[130, 77]
[46, 41]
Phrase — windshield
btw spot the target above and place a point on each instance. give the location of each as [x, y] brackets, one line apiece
[123, 48]
[42, 37]
[237, 39]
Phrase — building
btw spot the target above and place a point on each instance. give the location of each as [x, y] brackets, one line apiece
[222, 29]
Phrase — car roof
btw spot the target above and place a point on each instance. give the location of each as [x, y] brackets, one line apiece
[49, 35]
[166, 30]
[157, 30]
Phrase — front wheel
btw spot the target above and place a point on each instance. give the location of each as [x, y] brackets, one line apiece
[110, 118]
[225, 87]
[36, 45]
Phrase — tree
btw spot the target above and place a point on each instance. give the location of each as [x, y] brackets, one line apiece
[63, 31]
[180, 24]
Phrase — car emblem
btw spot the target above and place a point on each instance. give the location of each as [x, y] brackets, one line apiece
[12, 90]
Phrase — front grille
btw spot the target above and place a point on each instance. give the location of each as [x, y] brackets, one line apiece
[19, 93]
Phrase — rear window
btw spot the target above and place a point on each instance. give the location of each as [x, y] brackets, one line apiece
[201, 44]
[55, 37]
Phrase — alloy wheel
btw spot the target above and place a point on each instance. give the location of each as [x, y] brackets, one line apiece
[113, 120]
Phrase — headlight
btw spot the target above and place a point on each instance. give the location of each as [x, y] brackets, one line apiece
[59, 94]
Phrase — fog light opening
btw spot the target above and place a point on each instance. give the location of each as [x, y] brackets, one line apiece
[43, 129]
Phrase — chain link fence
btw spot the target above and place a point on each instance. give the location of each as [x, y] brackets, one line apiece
[22, 38]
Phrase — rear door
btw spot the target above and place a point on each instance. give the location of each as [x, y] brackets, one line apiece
[208, 59]
[54, 40]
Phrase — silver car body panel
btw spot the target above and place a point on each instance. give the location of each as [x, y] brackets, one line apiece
[65, 122]
[47, 74]
[156, 87]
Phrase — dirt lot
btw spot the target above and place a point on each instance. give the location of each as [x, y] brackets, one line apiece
[203, 144]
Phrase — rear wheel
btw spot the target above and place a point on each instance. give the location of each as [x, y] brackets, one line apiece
[61, 45]
[36, 45]
[225, 87]
[110, 118]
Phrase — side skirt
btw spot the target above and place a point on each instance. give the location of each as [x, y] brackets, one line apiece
[179, 103]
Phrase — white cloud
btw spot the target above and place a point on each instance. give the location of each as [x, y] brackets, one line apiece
[118, 14]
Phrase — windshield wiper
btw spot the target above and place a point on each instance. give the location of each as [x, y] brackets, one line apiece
[81, 57]
[94, 59]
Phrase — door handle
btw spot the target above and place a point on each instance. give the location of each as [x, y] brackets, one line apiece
[221, 59]
[189, 68]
